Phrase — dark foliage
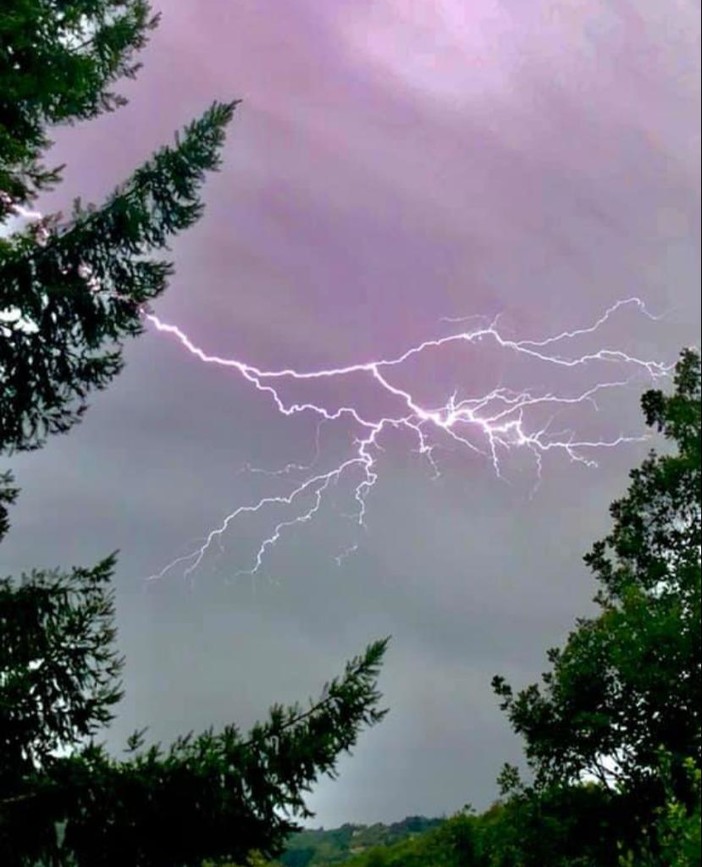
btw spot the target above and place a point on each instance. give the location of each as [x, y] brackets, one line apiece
[623, 696]
[70, 292]
[220, 795]
[72, 289]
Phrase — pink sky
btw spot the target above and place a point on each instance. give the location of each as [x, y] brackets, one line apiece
[392, 163]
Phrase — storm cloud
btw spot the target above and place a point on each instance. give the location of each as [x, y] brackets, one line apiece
[392, 163]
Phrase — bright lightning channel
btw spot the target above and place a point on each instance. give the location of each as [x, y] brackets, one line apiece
[500, 416]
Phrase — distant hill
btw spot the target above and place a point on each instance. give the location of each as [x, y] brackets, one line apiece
[322, 848]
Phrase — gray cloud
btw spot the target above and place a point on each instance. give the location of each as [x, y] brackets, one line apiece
[540, 167]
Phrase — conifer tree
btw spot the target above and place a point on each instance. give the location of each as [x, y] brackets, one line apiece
[71, 290]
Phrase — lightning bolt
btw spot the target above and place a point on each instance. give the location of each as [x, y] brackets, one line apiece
[498, 419]
[490, 424]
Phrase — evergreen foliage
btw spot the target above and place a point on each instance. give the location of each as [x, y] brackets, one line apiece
[64, 800]
[70, 292]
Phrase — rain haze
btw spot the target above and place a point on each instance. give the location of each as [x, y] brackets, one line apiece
[392, 166]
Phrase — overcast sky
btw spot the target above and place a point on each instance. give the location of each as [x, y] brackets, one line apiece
[393, 163]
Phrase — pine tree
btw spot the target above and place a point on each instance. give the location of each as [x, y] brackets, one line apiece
[218, 795]
[71, 291]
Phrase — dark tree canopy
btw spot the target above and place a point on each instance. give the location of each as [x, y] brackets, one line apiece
[57, 63]
[72, 290]
[81, 291]
[217, 795]
[59, 671]
[622, 700]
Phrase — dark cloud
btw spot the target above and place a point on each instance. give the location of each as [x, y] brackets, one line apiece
[391, 164]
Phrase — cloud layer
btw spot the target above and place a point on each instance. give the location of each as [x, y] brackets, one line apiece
[391, 164]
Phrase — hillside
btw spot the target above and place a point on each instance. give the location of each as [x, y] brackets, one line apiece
[320, 848]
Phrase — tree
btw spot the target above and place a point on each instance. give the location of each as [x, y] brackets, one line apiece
[625, 689]
[64, 800]
[70, 292]
[677, 836]
[56, 62]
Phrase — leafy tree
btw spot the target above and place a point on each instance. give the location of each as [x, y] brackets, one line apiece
[627, 683]
[8, 494]
[677, 830]
[559, 826]
[298, 857]
[450, 843]
[71, 290]
[337, 845]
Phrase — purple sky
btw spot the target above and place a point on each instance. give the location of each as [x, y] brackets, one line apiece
[392, 163]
